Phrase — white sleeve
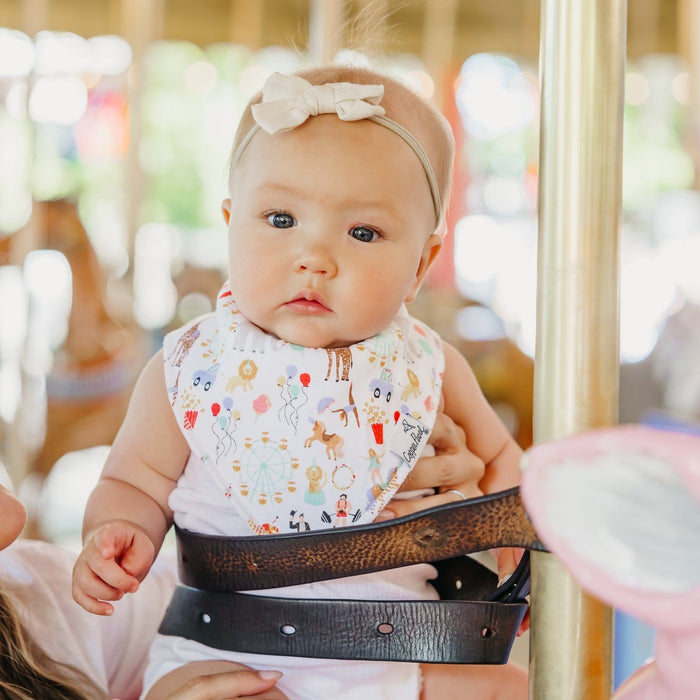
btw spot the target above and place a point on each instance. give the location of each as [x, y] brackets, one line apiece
[129, 633]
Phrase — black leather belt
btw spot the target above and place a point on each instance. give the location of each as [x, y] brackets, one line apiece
[451, 630]
[474, 622]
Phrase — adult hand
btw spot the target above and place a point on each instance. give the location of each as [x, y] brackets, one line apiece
[453, 471]
[216, 680]
[229, 685]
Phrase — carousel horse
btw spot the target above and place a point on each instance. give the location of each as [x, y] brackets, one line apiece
[620, 507]
[93, 372]
[506, 376]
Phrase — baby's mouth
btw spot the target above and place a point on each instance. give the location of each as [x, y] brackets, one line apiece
[308, 302]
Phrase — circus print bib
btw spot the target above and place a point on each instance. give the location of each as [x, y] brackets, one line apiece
[288, 438]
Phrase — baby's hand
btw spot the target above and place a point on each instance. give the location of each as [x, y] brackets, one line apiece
[115, 558]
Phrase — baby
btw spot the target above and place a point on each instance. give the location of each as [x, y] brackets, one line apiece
[305, 400]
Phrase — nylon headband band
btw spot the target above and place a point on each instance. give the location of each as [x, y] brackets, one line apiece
[390, 124]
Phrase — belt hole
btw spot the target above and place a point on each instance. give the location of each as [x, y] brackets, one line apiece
[288, 630]
[486, 632]
[205, 618]
[385, 628]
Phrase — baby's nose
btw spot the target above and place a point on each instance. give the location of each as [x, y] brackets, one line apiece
[318, 258]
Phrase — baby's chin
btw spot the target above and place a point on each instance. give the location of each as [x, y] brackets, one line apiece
[318, 342]
[310, 335]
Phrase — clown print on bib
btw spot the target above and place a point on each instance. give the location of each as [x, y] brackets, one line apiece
[287, 438]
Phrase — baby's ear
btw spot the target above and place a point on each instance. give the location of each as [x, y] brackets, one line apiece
[431, 249]
[226, 210]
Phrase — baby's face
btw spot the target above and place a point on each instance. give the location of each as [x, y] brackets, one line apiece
[329, 231]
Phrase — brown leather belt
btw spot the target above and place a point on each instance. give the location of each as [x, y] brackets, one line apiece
[228, 564]
[474, 622]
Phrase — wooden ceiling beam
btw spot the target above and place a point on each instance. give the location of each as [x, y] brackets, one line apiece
[510, 26]
[246, 23]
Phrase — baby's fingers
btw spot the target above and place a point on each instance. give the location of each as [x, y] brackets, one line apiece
[93, 565]
[137, 559]
[92, 593]
[98, 576]
[113, 540]
[124, 544]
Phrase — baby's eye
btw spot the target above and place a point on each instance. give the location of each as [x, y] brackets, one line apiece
[364, 234]
[280, 219]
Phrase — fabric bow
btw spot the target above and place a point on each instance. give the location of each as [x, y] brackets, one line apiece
[289, 101]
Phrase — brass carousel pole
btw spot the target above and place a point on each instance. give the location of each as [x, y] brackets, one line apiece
[582, 60]
[688, 25]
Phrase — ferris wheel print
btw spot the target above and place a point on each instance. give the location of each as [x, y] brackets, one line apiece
[266, 466]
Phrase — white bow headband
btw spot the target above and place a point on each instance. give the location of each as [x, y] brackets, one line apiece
[289, 101]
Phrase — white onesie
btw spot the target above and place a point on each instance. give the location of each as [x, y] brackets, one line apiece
[286, 438]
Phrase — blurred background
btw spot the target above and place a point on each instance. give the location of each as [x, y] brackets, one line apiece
[116, 118]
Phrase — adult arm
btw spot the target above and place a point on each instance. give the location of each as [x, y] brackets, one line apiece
[216, 680]
[474, 452]
[486, 435]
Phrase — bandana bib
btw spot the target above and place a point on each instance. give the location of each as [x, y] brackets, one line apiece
[289, 438]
